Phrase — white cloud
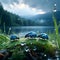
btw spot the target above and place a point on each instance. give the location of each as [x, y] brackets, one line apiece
[11, 6]
[41, 12]
[34, 9]
[22, 9]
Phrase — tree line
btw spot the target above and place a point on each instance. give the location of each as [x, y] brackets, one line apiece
[8, 19]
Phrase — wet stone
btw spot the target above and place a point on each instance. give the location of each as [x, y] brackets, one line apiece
[23, 44]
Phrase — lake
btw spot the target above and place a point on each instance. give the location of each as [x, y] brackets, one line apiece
[41, 29]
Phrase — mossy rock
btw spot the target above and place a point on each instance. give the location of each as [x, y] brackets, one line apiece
[43, 45]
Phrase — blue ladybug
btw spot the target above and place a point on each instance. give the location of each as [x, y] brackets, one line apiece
[31, 35]
[14, 37]
[43, 36]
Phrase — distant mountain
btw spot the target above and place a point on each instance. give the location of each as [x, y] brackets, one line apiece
[38, 20]
[47, 15]
[46, 19]
[8, 19]
[43, 16]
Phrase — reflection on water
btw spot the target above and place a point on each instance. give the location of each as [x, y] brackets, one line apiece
[22, 30]
[33, 28]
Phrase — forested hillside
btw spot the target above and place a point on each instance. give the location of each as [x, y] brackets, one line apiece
[8, 19]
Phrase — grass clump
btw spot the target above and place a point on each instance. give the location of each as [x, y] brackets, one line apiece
[4, 40]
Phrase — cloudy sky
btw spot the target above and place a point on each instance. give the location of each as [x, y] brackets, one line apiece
[30, 7]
